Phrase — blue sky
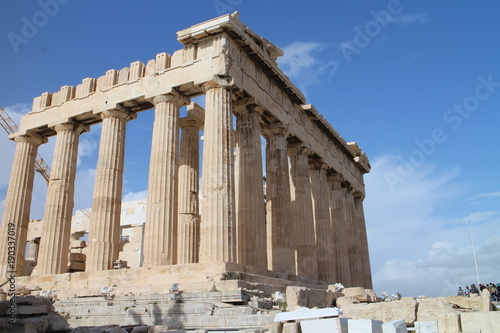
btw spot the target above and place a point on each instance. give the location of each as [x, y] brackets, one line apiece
[415, 83]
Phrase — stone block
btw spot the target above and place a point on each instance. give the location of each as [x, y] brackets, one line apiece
[430, 308]
[291, 328]
[19, 326]
[364, 326]
[342, 301]
[28, 310]
[330, 325]
[470, 303]
[78, 244]
[449, 323]
[57, 323]
[395, 326]
[76, 266]
[319, 298]
[77, 257]
[486, 304]
[484, 322]
[426, 327]
[386, 311]
[296, 297]
[357, 292]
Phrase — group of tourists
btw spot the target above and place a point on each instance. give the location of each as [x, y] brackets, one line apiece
[491, 287]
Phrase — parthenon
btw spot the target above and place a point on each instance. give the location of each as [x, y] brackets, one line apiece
[297, 211]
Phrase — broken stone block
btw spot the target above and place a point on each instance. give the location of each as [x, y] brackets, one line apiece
[429, 309]
[356, 292]
[395, 326]
[484, 322]
[463, 302]
[386, 311]
[291, 328]
[296, 297]
[344, 300]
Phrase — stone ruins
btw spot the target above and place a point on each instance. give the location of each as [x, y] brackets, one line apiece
[309, 223]
[244, 235]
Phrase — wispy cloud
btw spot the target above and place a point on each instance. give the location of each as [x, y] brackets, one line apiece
[307, 63]
[414, 247]
[409, 19]
[486, 195]
[131, 196]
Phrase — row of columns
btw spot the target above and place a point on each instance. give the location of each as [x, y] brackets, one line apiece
[309, 223]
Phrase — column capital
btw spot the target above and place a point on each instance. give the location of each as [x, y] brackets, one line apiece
[72, 126]
[275, 128]
[298, 149]
[117, 113]
[174, 97]
[31, 137]
[219, 81]
[336, 177]
[318, 164]
[358, 195]
[190, 121]
[247, 105]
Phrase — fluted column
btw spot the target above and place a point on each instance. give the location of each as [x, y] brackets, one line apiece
[189, 164]
[339, 226]
[250, 205]
[160, 233]
[33, 249]
[281, 255]
[349, 213]
[54, 246]
[324, 231]
[15, 220]
[302, 212]
[104, 232]
[217, 241]
[362, 240]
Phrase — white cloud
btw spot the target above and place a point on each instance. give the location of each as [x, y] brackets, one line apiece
[306, 62]
[415, 247]
[131, 196]
[408, 19]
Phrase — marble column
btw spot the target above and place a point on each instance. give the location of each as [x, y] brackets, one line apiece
[250, 205]
[15, 220]
[218, 234]
[281, 254]
[160, 230]
[302, 212]
[363, 252]
[33, 249]
[339, 226]
[324, 231]
[104, 231]
[54, 247]
[350, 218]
[188, 239]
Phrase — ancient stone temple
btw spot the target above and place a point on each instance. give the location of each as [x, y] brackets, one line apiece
[293, 212]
